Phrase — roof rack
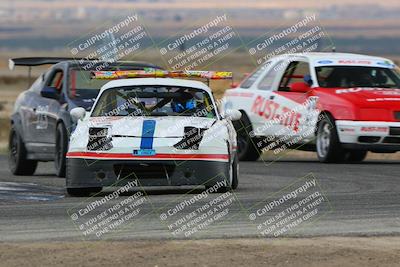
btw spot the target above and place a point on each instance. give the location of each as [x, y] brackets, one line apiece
[156, 73]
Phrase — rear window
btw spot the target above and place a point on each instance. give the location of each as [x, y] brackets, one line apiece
[249, 81]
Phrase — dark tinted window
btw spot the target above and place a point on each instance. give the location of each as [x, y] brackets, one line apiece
[56, 80]
[357, 76]
[295, 72]
[37, 85]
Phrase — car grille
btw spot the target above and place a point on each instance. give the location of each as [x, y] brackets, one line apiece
[368, 139]
[391, 140]
[394, 131]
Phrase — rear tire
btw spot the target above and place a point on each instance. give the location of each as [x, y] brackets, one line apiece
[247, 150]
[83, 192]
[61, 150]
[329, 149]
[17, 156]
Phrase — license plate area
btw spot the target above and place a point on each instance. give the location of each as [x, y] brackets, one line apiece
[144, 152]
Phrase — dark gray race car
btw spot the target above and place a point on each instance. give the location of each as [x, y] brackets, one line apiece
[40, 122]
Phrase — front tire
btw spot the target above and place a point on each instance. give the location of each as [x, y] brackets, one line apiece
[329, 149]
[235, 173]
[61, 150]
[17, 156]
[233, 177]
[247, 150]
[356, 155]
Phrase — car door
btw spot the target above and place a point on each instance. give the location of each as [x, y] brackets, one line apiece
[243, 96]
[28, 111]
[294, 109]
[264, 108]
[46, 111]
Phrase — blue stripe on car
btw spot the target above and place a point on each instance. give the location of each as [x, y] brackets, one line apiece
[147, 134]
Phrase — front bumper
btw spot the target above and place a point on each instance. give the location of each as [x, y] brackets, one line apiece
[104, 172]
[374, 136]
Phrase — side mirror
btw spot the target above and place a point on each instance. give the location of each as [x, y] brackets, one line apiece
[77, 114]
[300, 87]
[232, 114]
[50, 92]
[234, 85]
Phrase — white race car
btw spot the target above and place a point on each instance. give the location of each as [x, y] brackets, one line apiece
[153, 132]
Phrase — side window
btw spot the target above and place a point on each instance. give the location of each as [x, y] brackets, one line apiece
[295, 72]
[249, 81]
[269, 78]
[56, 80]
[37, 85]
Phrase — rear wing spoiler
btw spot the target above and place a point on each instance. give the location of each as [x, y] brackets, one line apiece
[36, 61]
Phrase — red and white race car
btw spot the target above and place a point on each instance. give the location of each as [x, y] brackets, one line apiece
[341, 105]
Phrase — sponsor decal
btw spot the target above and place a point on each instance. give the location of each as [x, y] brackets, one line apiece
[325, 62]
[381, 91]
[271, 110]
[352, 61]
[374, 129]
[41, 117]
[350, 130]
[385, 63]
[239, 94]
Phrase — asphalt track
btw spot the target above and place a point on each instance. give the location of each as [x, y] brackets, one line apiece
[358, 200]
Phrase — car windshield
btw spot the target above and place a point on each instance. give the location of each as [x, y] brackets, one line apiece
[154, 101]
[357, 76]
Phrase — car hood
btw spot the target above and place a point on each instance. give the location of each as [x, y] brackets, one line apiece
[366, 97]
[171, 126]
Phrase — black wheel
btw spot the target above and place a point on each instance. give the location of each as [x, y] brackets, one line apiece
[233, 181]
[235, 173]
[329, 149]
[17, 160]
[356, 155]
[61, 150]
[247, 150]
[83, 192]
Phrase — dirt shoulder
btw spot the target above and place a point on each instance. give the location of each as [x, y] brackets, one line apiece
[324, 251]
